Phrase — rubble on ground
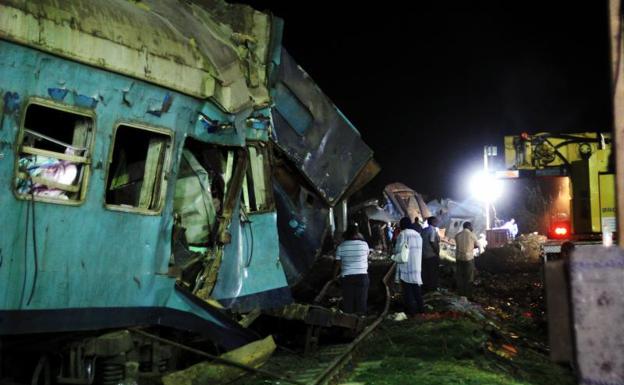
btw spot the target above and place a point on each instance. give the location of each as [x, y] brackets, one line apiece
[521, 255]
[497, 339]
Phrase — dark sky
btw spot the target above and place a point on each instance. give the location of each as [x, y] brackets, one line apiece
[428, 85]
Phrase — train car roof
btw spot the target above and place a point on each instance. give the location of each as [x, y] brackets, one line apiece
[204, 48]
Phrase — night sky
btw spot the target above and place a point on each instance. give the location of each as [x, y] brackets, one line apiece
[429, 85]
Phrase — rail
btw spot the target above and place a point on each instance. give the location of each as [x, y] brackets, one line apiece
[338, 363]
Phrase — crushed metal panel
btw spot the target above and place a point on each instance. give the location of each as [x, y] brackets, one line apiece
[597, 276]
[369, 171]
[302, 225]
[190, 48]
[406, 201]
[313, 133]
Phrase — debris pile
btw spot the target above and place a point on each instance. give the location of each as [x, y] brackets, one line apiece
[516, 299]
[521, 255]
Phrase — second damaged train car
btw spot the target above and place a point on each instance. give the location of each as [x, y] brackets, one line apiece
[160, 161]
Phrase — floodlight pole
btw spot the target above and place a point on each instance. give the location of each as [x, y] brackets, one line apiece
[486, 200]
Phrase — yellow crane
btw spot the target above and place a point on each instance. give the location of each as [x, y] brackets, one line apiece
[579, 168]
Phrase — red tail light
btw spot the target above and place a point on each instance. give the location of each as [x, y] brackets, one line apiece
[560, 230]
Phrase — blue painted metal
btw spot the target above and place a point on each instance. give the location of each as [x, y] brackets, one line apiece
[214, 126]
[11, 102]
[302, 226]
[251, 265]
[85, 101]
[57, 94]
[259, 125]
[89, 256]
[275, 48]
[92, 256]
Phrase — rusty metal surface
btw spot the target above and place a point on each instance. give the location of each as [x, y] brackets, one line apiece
[213, 50]
[314, 134]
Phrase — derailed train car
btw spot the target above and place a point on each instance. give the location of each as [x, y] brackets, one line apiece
[161, 160]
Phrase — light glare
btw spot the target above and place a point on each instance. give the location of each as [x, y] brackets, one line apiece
[485, 187]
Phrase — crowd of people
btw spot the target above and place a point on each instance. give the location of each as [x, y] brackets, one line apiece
[419, 274]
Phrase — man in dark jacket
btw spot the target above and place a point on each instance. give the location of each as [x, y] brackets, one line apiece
[430, 255]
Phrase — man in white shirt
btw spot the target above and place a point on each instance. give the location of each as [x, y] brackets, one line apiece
[465, 243]
[352, 261]
[409, 273]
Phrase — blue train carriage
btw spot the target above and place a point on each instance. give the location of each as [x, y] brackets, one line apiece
[131, 193]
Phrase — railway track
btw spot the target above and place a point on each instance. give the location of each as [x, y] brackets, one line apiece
[328, 363]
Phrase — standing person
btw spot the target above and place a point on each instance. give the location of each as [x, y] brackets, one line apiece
[416, 225]
[409, 273]
[465, 243]
[352, 262]
[396, 230]
[430, 255]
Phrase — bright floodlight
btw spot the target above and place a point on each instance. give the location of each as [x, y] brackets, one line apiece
[485, 187]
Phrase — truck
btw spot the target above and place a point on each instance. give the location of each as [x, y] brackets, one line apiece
[568, 180]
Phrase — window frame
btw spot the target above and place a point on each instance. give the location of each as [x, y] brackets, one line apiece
[268, 176]
[166, 169]
[19, 142]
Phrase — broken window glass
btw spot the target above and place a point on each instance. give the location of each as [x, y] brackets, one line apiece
[204, 179]
[256, 185]
[137, 168]
[53, 160]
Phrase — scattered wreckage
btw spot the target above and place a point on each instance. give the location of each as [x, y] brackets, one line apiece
[170, 182]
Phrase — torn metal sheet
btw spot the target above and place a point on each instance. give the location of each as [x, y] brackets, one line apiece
[254, 355]
[208, 50]
[302, 225]
[315, 135]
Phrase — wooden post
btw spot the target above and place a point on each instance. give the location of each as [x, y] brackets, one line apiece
[617, 77]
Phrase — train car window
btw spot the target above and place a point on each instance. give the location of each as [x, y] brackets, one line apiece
[203, 181]
[136, 169]
[256, 185]
[53, 161]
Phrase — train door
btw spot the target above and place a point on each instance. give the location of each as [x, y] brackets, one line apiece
[251, 274]
[208, 184]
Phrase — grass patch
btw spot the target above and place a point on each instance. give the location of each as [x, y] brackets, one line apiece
[449, 351]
